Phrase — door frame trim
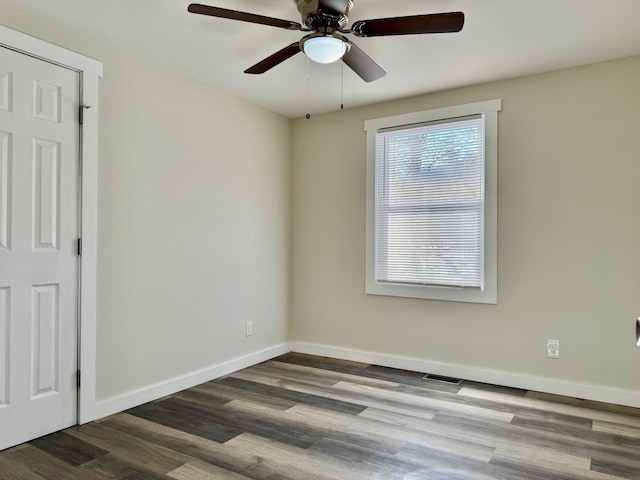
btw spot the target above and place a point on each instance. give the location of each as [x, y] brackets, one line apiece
[90, 71]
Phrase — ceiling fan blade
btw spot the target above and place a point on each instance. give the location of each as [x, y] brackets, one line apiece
[417, 24]
[334, 7]
[275, 59]
[242, 16]
[362, 64]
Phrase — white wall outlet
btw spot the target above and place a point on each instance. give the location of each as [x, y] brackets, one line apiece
[249, 329]
[553, 348]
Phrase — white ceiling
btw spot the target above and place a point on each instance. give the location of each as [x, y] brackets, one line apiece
[501, 39]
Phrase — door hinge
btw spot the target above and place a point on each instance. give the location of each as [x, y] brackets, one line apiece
[79, 247]
[78, 379]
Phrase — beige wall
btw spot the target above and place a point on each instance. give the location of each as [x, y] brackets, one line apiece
[195, 235]
[194, 210]
[568, 234]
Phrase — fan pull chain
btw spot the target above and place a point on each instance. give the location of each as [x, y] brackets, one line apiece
[342, 86]
[308, 115]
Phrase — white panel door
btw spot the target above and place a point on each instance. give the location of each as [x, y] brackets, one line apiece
[39, 208]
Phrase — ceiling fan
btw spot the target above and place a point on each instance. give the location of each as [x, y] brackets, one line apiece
[327, 21]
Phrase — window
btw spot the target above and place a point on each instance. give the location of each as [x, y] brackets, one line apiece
[431, 204]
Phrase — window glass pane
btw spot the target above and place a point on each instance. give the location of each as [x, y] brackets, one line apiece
[430, 204]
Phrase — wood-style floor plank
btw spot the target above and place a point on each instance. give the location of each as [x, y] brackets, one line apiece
[622, 468]
[198, 470]
[302, 417]
[299, 397]
[616, 429]
[297, 462]
[186, 421]
[135, 450]
[372, 428]
[68, 448]
[438, 464]
[310, 374]
[45, 465]
[342, 395]
[232, 393]
[427, 402]
[272, 370]
[556, 407]
[16, 469]
[328, 424]
[223, 455]
[579, 402]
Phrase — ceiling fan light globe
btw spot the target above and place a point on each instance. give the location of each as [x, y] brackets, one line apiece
[325, 49]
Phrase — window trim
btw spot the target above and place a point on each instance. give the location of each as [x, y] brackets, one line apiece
[489, 109]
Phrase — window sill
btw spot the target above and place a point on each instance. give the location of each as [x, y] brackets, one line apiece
[452, 294]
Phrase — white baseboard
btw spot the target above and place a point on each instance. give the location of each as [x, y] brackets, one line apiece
[578, 390]
[138, 397]
[495, 377]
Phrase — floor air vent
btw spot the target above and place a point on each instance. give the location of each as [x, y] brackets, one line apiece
[441, 378]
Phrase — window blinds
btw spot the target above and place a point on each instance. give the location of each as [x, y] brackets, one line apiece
[430, 204]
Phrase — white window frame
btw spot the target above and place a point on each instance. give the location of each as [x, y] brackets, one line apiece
[489, 294]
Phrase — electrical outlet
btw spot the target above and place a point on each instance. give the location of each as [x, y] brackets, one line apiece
[249, 329]
[553, 348]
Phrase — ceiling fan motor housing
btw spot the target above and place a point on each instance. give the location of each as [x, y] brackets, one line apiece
[316, 17]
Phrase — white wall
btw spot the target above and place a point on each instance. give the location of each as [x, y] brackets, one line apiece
[568, 235]
[194, 220]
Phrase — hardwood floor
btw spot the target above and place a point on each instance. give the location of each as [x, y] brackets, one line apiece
[300, 417]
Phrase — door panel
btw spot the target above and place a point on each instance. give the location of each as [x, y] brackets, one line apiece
[4, 346]
[44, 335]
[39, 212]
[45, 192]
[5, 90]
[5, 169]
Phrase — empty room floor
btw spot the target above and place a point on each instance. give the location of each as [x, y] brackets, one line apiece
[301, 417]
